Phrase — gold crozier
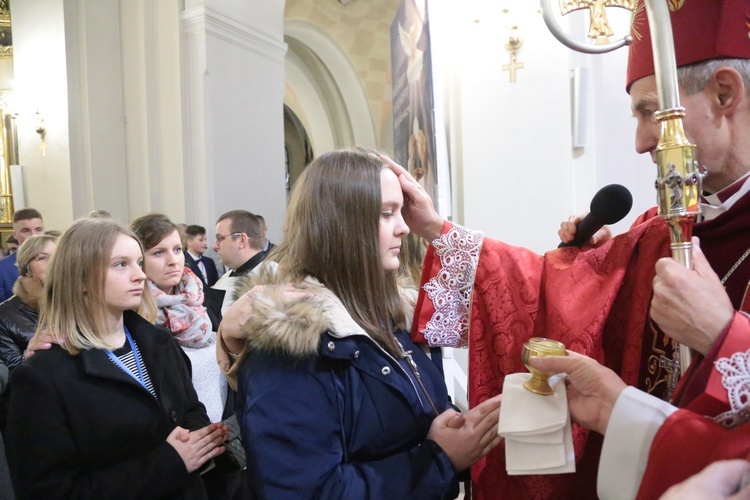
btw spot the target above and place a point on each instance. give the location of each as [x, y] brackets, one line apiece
[599, 29]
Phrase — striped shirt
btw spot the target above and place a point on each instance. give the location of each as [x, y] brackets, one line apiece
[125, 355]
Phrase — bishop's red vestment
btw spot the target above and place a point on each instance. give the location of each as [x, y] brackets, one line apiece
[492, 297]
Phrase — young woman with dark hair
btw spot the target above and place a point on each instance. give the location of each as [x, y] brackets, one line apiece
[334, 399]
[178, 294]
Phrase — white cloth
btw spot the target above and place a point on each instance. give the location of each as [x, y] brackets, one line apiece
[538, 438]
[208, 381]
[632, 426]
[228, 284]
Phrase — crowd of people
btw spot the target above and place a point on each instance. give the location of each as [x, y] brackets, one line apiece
[130, 363]
[130, 359]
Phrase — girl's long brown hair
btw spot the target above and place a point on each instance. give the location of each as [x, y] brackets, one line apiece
[332, 234]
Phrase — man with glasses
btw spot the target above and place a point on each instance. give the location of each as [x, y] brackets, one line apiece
[239, 243]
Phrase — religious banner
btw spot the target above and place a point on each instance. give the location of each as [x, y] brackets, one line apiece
[413, 98]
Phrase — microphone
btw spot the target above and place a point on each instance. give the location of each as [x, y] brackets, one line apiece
[609, 205]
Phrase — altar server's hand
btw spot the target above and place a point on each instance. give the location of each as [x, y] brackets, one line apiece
[473, 439]
[568, 229]
[419, 211]
[593, 388]
[727, 479]
[691, 306]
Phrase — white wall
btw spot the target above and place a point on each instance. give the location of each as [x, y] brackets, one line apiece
[233, 111]
[306, 99]
[152, 99]
[41, 83]
[110, 71]
[609, 156]
[516, 174]
[96, 110]
[189, 126]
[513, 156]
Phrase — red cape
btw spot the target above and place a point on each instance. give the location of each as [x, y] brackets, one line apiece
[570, 295]
[594, 301]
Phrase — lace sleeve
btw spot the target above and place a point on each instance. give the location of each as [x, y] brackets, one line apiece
[735, 378]
[450, 290]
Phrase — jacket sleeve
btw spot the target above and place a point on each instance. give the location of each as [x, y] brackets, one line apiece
[4, 377]
[43, 456]
[196, 416]
[10, 353]
[7, 279]
[293, 433]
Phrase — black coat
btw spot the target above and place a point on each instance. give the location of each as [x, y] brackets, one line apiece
[17, 326]
[18, 321]
[81, 427]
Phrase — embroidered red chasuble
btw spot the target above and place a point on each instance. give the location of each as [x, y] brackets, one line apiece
[493, 297]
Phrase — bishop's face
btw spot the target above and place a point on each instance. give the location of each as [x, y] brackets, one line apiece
[704, 127]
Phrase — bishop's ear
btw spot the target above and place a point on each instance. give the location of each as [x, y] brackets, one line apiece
[728, 89]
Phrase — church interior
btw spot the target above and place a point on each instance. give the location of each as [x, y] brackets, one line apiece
[196, 107]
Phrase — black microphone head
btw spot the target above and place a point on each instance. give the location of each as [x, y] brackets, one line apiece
[611, 203]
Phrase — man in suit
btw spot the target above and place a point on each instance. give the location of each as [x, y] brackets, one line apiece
[26, 222]
[196, 246]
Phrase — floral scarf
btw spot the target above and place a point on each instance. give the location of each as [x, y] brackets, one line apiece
[183, 313]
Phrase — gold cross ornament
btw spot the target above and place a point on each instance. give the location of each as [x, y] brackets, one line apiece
[513, 44]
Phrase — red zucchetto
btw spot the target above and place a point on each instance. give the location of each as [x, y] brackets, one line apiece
[703, 30]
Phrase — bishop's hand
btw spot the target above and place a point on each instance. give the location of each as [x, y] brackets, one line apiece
[593, 389]
[690, 306]
[419, 211]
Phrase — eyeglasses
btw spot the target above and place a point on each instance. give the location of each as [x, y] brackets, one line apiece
[42, 257]
[221, 237]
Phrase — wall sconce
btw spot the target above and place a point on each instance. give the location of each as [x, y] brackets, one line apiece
[42, 131]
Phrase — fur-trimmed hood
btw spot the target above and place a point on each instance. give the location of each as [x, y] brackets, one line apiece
[29, 290]
[291, 318]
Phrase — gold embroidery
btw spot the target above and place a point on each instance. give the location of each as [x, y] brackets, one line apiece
[639, 18]
[675, 5]
[637, 22]
[660, 365]
[599, 28]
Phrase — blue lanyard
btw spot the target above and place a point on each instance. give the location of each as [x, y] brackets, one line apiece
[137, 357]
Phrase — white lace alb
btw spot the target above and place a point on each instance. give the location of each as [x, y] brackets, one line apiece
[735, 378]
[450, 290]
